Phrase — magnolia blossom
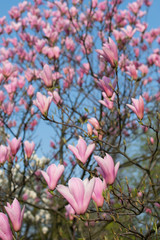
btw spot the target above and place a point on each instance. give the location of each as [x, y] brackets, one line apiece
[137, 107]
[109, 52]
[14, 145]
[107, 86]
[152, 140]
[43, 103]
[69, 212]
[15, 214]
[107, 168]
[107, 102]
[89, 129]
[5, 230]
[97, 195]
[132, 71]
[46, 75]
[52, 175]
[94, 122]
[30, 90]
[55, 97]
[81, 151]
[78, 194]
[129, 31]
[29, 148]
[3, 154]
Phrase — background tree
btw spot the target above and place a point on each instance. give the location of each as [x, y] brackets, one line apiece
[88, 72]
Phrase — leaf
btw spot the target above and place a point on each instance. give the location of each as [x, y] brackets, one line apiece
[86, 109]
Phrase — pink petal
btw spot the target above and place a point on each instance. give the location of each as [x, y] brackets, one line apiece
[75, 151]
[77, 190]
[68, 196]
[82, 147]
[89, 187]
[116, 168]
[46, 177]
[132, 108]
[90, 149]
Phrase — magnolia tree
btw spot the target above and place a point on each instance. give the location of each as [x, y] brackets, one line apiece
[88, 72]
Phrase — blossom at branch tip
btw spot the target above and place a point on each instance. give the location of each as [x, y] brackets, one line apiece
[29, 148]
[69, 212]
[89, 129]
[55, 97]
[3, 153]
[15, 214]
[5, 230]
[129, 31]
[81, 151]
[108, 102]
[109, 52]
[78, 193]
[94, 123]
[107, 169]
[52, 175]
[14, 145]
[132, 71]
[46, 75]
[137, 107]
[107, 86]
[97, 194]
[43, 103]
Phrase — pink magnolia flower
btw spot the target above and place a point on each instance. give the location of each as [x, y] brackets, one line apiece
[140, 194]
[29, 148]
[132, 71]
[157, 205]
[137, 107]
[81, 151]
[40, 44]
[46, 75]
[129, 31]
[15, 214]
[25, 197]
[14, 145]
[148, 3]
[144, 69]
[119, 36]
[108, 102]
[99, 187]
[8, 107]
[94, 3]
[69, 212]
[30, 90]
[52, 175]
[5, 230]
[109, 52]
[69, 43]
[89, 129]
[106, 86]
[107, 168]
[56, 98]
[43, 103]
[152, 140]
[54, 52]
[148, 210]
[3, 154]
[21, 82]
[8, 69]
[2, 97]
[95, 123]
[134, 7]
[78, 194]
